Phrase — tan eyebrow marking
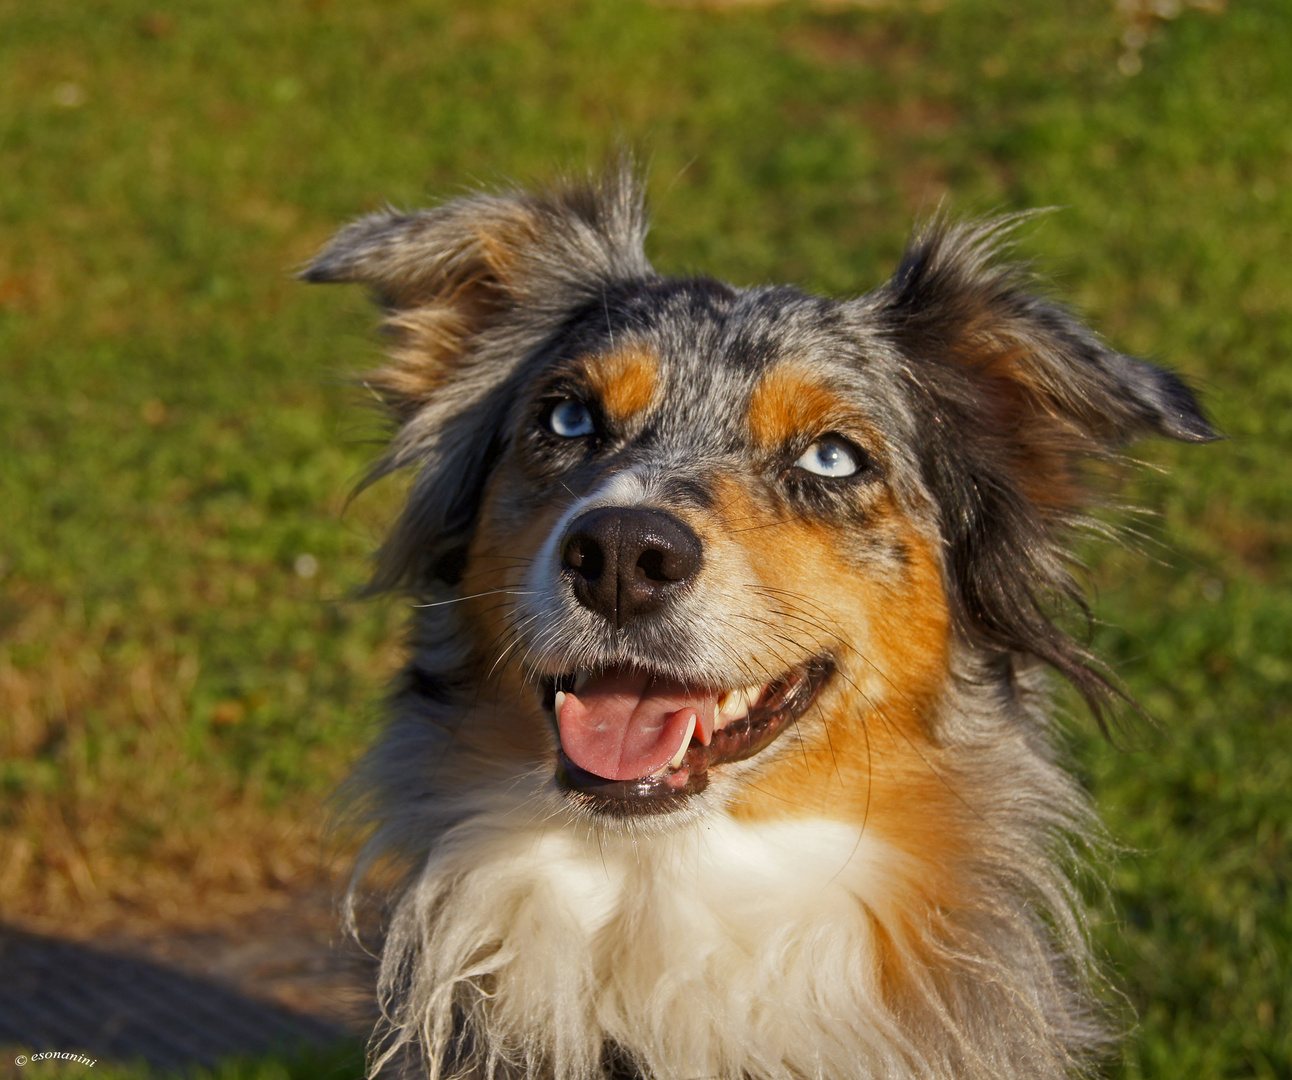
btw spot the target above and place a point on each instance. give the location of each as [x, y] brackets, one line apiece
[789, 400]
[626, 380]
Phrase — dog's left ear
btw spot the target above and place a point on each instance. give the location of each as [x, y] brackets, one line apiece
[1012, 396]
[472, 290]
[977, 324]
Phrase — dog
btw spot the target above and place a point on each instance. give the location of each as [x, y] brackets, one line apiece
[725, 747]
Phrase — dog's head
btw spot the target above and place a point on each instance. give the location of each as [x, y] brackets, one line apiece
[679, 521]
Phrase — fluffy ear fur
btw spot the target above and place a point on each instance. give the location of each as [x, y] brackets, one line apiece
[1014, 395]
[473, 289]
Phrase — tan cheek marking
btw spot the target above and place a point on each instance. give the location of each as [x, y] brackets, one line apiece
[876, 762]
[627, 382]
[787, 402]
[877, 751]
[506, 721]
[893, 621]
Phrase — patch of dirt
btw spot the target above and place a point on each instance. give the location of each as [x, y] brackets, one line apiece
[912, 117]
[877, 45]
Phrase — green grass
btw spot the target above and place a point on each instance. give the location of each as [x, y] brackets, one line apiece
[176, 427]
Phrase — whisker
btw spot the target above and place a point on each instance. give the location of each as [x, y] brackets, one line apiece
[475, 596]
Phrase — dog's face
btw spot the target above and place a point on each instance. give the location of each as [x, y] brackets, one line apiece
[698, 544]
[727, 542]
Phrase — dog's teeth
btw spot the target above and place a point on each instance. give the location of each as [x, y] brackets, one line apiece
[676, 763]
[581, 680]
[560, 700]
[735, 704]
[732, 705]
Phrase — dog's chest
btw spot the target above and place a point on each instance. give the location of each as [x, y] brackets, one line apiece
[721, 874]
[722, 908]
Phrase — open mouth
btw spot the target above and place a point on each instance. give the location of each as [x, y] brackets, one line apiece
[636, 742]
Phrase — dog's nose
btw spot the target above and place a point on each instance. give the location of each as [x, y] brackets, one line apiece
[625, 561]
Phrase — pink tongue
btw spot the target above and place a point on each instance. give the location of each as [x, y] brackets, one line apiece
[625, 725]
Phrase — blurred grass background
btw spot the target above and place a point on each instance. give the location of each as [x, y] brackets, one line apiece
[183, 676]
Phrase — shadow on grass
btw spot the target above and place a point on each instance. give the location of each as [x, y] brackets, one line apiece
[60, 996]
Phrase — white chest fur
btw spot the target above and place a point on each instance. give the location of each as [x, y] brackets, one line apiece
[715, 950]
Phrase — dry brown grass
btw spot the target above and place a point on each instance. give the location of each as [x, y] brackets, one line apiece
[138, 835]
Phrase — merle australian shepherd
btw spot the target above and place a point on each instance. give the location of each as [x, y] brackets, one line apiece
[725, 748]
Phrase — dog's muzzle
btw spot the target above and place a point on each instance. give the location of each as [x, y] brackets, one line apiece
[635, 735]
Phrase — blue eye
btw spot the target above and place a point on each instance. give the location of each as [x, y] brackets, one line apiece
[571, 419]
[832, 457]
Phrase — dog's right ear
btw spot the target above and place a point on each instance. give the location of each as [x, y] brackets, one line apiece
[484, 266]
[472, 289]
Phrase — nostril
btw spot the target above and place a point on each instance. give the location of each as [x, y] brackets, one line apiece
[584, 556]
[651, 564]
[667, 551]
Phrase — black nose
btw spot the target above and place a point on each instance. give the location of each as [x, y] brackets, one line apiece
[624, 561]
